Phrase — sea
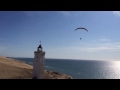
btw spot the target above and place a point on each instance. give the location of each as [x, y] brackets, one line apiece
[82, 69]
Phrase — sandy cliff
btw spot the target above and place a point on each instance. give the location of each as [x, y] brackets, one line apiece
[15, 69]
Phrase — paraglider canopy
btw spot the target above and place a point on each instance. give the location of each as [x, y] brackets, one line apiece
[81, 28]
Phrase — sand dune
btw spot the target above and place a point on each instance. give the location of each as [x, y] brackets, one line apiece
[15, 69]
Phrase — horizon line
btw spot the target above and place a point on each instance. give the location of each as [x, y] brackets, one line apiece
[66, 58]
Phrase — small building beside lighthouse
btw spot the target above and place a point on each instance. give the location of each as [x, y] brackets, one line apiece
[38, 64]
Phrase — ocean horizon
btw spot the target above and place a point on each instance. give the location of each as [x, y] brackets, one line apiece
[81, 69]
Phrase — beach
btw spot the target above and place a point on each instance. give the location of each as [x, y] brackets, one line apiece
[15, 69]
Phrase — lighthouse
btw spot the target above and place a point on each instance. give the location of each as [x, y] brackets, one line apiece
[38, 64]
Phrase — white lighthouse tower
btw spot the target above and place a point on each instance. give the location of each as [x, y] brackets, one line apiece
[38, 64]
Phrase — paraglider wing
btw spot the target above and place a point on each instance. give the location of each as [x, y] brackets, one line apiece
[81, 28]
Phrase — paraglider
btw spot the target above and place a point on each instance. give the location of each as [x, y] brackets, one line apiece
[81, 28]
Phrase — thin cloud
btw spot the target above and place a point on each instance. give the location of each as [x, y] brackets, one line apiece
[93, 49]
[104, 39]
[29, 13]
[71, 13]
[66, 13]
[101, 39]
[107, 47]
[116, 13]
[32, 13]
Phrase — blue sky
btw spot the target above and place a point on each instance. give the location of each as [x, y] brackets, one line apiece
[21, 32]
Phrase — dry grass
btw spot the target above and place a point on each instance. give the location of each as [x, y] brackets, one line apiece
[15, 69]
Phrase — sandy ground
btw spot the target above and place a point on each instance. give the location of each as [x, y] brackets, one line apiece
[15, 69]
